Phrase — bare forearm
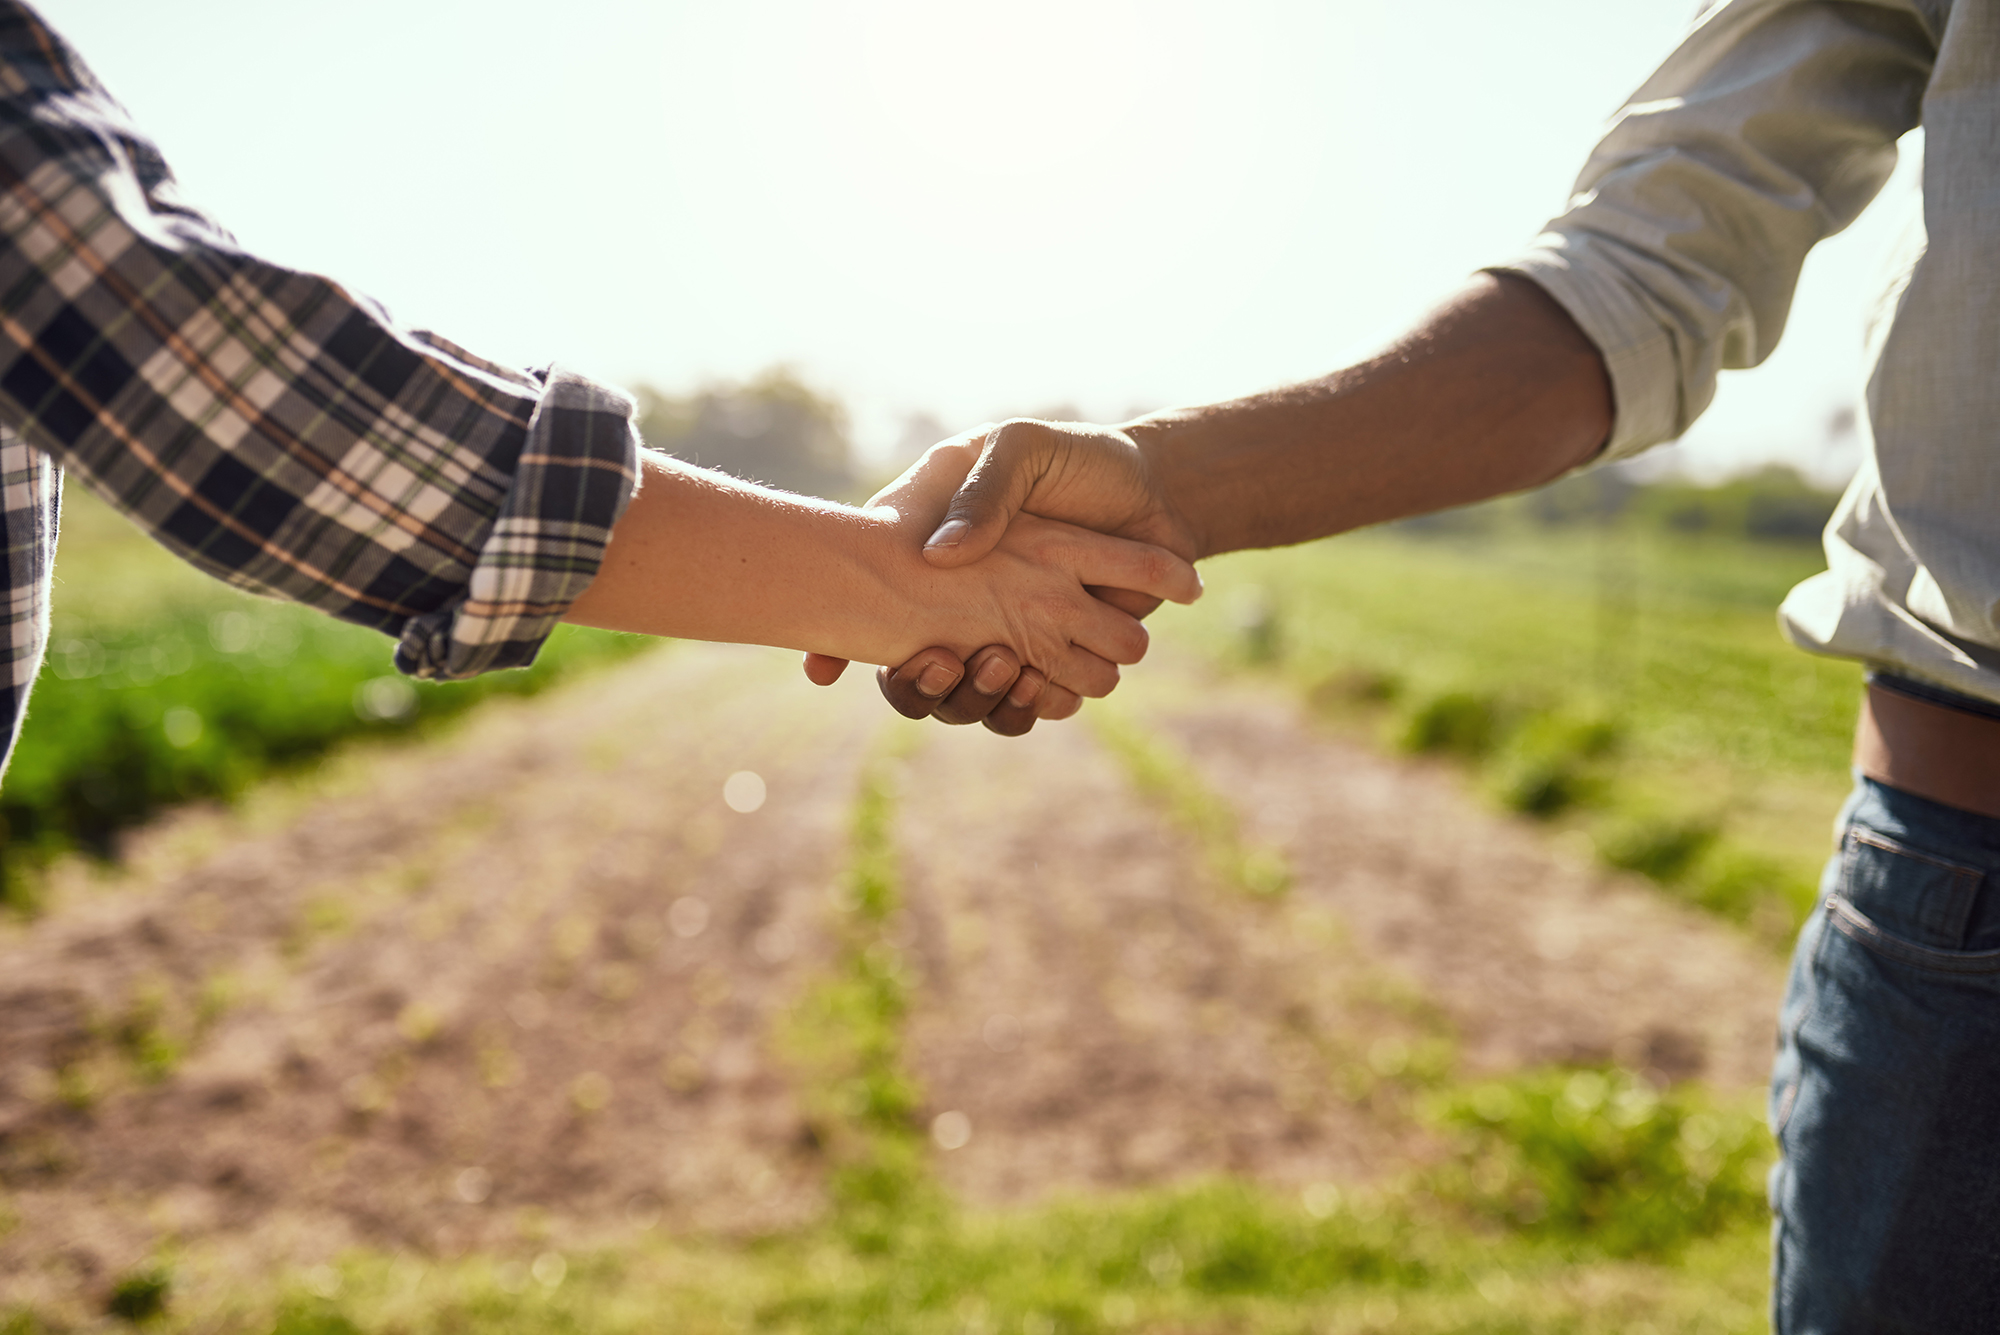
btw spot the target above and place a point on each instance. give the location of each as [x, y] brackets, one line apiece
[1496, 391]
[700, 556]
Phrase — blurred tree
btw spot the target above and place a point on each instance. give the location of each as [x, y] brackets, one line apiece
[1596, 495]
[1775, 503]
[775, 429]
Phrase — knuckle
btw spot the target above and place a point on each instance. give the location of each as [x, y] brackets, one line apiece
[1018, 433]
[967, 450]
[1050, 606]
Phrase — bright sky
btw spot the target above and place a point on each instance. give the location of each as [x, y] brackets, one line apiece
[926, 205]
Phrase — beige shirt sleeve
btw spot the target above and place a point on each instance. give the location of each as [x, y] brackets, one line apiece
[1770, 128]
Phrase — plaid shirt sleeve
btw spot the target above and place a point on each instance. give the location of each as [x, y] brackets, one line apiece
[268, 425]
[30, 501]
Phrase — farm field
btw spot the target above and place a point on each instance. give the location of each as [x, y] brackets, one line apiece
[1627, 687]
[1205, 1012]
[532, 991]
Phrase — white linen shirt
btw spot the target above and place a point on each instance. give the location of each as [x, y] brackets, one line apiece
[1770, 128]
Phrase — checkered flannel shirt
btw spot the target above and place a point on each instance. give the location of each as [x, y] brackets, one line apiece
[267, 425]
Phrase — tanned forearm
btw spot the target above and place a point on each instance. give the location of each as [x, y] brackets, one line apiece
[1496, 391]
[702, 556]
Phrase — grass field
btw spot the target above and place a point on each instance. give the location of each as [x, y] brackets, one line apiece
[1622, 685]
[1207, 1258]
[1626, 682]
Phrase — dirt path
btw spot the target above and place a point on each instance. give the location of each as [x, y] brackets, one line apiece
[525, 980]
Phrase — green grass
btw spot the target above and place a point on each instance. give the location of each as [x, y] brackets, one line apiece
[1629, 681]
[1598, 1158]
[165, 686]
[1613, 1247]
[1214, 1257]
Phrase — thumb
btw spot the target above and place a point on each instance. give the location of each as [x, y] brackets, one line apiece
[823, 670]
[1015, 457]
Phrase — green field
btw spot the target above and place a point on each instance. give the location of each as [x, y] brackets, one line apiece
[163, 685]
[1626, 681]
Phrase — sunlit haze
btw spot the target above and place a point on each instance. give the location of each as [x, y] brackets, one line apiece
[929, 207]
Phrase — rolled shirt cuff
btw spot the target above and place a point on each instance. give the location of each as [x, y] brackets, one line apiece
[1638, 347]
[576, 473]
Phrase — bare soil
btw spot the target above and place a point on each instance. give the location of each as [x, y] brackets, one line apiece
[1537, 953]
[523, 981]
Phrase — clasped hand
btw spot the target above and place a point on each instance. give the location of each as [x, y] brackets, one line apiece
[994, 487]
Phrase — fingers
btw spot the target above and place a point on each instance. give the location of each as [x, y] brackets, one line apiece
[1138, 606]
[995, 690]
[1016, 714]
[934, 684]
[1015, 456]
[822, 670]
[1103, 632]
[1119, 563]
[915, 689]
[1055, 703]
[990, 675]
[1086, 674]
[1137, 575]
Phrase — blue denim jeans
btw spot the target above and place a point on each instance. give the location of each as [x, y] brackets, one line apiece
[1885, 1098]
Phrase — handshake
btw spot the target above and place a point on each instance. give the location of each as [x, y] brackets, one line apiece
[1047, 541]
[1062, 534]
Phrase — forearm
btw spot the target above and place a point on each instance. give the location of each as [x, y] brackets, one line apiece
[699, 555]
[1496, 391]
[703, 556]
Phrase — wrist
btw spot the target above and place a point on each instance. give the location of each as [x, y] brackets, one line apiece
[1172, 455]
[902, 604]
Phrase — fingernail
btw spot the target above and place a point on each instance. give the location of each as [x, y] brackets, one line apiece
[1025, 691]
[935, 680]
[949, 534]
[992, 677]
